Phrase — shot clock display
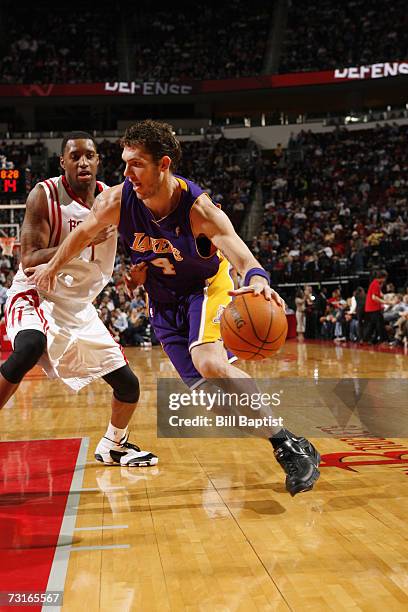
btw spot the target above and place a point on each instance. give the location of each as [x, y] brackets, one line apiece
[12, 182]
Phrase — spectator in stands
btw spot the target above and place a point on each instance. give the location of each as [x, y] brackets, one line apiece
[342, 321]
[120, 323]
[311, 329]
[328, 321]
[139, 299]
[374, 303]
[335, 298]
[320, 307]
[106, 315]
[351, 320]
[300, 302]
[401, 327]
[136, 332]
[395, 307]
[355, 315]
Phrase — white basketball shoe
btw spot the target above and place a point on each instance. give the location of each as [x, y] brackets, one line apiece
[123, 453]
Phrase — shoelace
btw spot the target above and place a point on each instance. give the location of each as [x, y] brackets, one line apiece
[125, 443]
[131, 446]
[124, 440]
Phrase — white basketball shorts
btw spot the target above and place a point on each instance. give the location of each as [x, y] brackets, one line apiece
[80, 349]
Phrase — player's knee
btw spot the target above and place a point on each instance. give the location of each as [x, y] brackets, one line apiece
[211, 367]
[125, 385]
[127, 389]
[29, 345]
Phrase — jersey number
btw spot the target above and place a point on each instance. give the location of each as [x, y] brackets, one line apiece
[164, 263]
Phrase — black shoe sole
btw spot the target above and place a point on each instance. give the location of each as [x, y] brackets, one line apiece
[99, 458]
[132, 464]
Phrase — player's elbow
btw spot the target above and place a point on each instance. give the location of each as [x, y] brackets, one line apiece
[86, 232]
[28, 260]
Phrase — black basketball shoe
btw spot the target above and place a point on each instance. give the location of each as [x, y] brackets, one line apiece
[299, 460]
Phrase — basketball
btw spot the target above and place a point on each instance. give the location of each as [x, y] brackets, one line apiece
[252, 327]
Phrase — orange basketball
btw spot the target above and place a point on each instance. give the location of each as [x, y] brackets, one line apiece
[253, 327]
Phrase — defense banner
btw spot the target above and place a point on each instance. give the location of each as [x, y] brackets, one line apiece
[182, 87]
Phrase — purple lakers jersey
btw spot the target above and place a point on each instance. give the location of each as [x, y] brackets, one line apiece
[175, 265]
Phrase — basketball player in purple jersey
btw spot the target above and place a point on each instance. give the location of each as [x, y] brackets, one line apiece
[180, 245]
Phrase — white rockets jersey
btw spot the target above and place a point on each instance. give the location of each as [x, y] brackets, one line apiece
[84, 277]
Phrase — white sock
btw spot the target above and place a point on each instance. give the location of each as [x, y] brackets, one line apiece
[114, 433]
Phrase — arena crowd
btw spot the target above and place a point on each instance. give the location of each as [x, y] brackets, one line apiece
[335, 203]
[205, 41]
[325, 35]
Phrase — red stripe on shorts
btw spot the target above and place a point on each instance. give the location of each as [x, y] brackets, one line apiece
[32, 297]
[36, 305]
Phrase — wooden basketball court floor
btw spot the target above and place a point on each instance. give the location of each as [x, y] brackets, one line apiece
[211, 527]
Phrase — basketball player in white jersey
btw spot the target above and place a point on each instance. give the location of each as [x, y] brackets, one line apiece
[60, 329]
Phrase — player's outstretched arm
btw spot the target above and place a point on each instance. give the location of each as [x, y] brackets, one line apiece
[209, 220]
[104, 213]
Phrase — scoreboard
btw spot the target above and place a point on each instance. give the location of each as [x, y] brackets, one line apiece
[12, 182]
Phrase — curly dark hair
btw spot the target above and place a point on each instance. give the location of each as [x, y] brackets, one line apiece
[156, 137]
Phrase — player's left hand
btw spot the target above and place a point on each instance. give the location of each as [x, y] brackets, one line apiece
[135, 277]
[41, 277]
[260, 288]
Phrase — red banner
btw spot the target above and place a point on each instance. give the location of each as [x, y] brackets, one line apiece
[186, 87]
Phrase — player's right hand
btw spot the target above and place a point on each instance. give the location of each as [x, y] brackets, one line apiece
[260, 287]
[136, 276]
[42, 277]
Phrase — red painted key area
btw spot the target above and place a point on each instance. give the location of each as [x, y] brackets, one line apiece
[35, 480]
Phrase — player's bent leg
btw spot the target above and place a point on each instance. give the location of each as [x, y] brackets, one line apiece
[211, 361]
[114, 448]
[298, 458]
[29, 345]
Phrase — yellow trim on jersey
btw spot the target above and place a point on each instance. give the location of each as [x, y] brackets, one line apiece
[216, 298]
[182, 183]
